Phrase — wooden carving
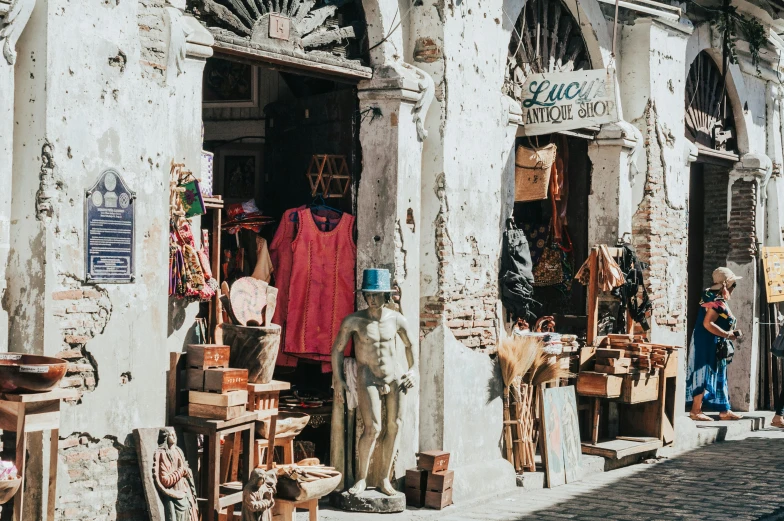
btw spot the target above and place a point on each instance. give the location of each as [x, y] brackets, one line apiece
[174, 480]
[709, 117]
[546, 38]
[296, 21]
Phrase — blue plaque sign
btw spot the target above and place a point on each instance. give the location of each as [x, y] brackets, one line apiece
[109, 243]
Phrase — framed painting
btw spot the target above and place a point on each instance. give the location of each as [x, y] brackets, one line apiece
[560, 435]
[229, 84]
[240, 169]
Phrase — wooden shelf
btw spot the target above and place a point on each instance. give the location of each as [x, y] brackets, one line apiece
[213, 203]
[622, 447]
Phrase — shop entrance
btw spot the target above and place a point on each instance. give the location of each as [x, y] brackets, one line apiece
[286, 166]
[710, 125]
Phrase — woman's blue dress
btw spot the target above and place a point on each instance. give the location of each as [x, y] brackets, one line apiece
[706, 374]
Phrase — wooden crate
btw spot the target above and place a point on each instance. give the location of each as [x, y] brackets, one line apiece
[194, 380]
[599, 385]
[639, 388]
[223, 400]
[438, 500]
[440, 481]
[433, 460]
[223, 380]
[205, 356]
[215, 412]
[415, 497]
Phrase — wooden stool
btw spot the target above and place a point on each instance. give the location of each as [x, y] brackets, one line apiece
[286, 443]
[284, 509]
[264, 399]
[36, 412]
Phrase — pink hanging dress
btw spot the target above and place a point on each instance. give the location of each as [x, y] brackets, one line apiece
[281, 255]
[321, 287]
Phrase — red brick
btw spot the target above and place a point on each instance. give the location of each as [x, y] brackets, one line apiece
[70, 294]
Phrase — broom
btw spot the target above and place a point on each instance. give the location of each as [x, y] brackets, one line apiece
[516, 356]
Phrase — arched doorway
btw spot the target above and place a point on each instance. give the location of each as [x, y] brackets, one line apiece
[710, 125]
[547, 38]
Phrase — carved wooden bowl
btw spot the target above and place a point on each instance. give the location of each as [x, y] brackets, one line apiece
[8, 488]
[289, 424]
[30, 373]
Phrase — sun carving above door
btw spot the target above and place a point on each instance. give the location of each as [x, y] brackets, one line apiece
[294, 25]
[546, 38]
[709, 118]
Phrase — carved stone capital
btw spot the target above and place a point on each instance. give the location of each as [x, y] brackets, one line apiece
[12, 25]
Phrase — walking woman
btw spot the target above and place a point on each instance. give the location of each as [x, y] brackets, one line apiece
[711, 350]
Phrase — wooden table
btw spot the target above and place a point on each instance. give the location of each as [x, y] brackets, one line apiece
[34, 412]
[219, 472]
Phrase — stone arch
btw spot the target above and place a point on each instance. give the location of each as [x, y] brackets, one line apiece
[702, 40]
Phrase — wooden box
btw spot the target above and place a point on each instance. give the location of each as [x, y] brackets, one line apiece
[223, 400]
[440, 481]
[415, 497]
[438, 500]
[224, 379]
[599, 384]
[205, 356]
[215, 412]
[195, 380]
[433, 460]
[416, 478]
[639, 388]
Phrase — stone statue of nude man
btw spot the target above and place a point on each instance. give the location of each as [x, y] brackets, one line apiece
[379, 376]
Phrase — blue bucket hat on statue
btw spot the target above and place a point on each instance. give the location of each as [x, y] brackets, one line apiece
[375, 280]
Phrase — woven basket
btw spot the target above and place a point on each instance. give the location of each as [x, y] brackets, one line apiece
[532, 172]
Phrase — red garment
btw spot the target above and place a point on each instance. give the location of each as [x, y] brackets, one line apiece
[281, 255]
[321, 288]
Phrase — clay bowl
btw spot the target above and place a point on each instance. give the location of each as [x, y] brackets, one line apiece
[8, 488]
[30, 373]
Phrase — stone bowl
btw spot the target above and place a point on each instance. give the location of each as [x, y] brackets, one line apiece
[30, 373]
[8, 488]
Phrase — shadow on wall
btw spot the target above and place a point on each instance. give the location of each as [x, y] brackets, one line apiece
[177, 316]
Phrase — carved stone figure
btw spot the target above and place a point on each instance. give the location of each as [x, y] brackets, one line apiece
[379, 376]
[257, 496]
[174, 480]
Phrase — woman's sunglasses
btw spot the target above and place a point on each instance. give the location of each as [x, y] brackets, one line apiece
[733, 285]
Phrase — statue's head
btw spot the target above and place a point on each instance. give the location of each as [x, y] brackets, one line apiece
[263, 478]
[376, 287]
[377, 300]
[167, 438]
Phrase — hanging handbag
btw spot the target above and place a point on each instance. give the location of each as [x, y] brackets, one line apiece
[549, 271]
[725, 350]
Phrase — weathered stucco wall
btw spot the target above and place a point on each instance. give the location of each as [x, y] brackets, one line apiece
[123, 95]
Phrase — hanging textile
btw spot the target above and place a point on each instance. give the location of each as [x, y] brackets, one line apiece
[321, 288]
[263, 270]
[516, 276]
[632, 268]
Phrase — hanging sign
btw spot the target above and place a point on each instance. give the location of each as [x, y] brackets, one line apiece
[773, 264]
[109, 241]
[568, 100]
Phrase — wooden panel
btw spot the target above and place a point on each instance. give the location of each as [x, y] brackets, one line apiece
[216, 412]
[223, 400]
[274, 385]
[195, 380]
[9, 415]
[57, 394]
[639, 388]
[42, 416]
[671, 367]
[224, 379]
[438, 500]
[599, 384]
[620, 448]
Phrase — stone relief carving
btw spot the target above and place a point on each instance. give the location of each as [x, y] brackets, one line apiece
[179, 32]
[50, 185]
[427, 90]
[12, 25]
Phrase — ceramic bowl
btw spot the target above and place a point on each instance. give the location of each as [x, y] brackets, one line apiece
[8, 488]
[26, 373]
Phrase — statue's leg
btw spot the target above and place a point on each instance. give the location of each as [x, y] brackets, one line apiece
[395, 402]
[369, 403]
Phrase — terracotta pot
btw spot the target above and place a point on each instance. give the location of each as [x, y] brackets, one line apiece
[8, 488]
[25, 373]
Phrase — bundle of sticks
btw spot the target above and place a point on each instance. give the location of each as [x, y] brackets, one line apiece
[623, 354]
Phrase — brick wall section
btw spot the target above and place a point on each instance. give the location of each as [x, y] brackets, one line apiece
[83, 313]
[152, 32]
[104, 483]
[660, 232]
[717, 233]
[743, 216]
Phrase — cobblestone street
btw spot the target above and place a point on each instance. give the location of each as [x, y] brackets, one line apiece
[732, 480]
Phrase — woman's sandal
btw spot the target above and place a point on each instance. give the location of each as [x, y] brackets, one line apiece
[731, 416]
[700, 417]
[777, 423]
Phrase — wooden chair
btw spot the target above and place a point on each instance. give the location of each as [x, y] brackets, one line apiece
[264, 400]
[285, 510]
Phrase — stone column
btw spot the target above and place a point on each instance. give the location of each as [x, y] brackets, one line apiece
[610, 199]
[745, 220]
[389, 209]
[13, 19]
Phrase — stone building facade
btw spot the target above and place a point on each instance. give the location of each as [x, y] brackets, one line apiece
[88, 86]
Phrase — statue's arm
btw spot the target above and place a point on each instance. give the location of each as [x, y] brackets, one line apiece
[412, 350]
[344, 335]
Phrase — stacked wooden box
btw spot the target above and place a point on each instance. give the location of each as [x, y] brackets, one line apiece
[430, 484]
[215, 391]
